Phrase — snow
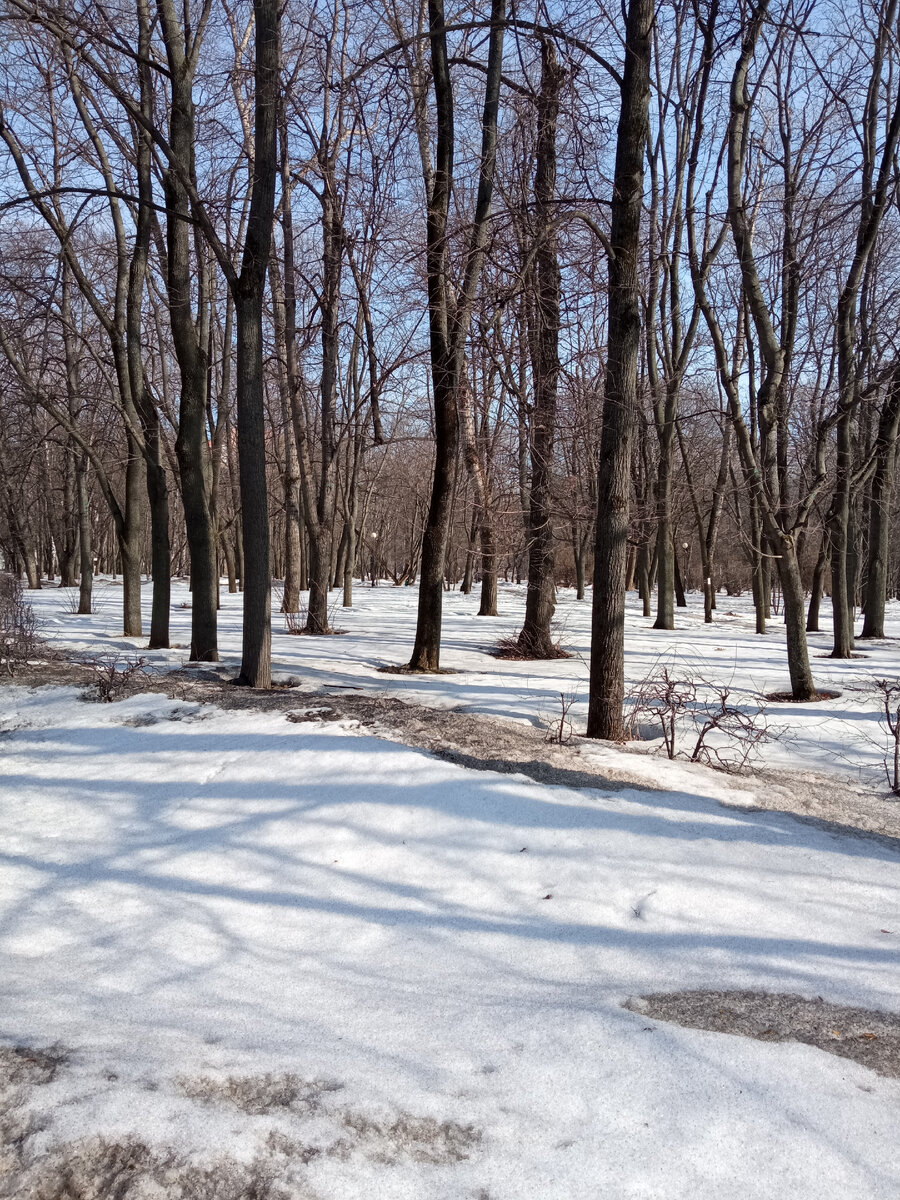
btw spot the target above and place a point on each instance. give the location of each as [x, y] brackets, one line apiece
[192, 894]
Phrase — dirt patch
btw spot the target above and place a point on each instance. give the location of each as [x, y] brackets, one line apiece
[98, 1169]
[22, 1068]
[788, 697]
[391, 670]
[422, 1139]
[25, 1065]
[260, 1094]
[867, 1036]
[829, 803]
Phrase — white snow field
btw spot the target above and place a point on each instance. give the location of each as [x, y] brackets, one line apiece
[388, 977]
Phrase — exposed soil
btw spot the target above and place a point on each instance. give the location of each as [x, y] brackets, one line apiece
[869, 1037]
[311, 1125]
[788, 697]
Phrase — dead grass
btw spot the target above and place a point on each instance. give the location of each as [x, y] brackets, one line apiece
[26, 1065]
[867, 1036]
[260, 1094]
[421, 1139]
[98, 1169]
[387, 1140]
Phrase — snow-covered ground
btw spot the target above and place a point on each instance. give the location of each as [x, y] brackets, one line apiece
[840, 735]
[390, 977]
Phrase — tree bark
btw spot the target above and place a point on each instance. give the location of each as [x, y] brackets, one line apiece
[875, 591]
[607, 668]
[448, 330]
[536, 639]
[256, 647]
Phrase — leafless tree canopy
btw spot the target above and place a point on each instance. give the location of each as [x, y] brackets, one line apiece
[414, 291]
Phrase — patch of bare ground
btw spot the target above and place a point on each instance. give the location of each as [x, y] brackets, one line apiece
[27, 1065]
[829, 802]
[22, 1069]
[260, 1094]
[383, 1140]
[309, 1125]
[421, 1139]
[99, 1169]
[788, 697]
[867, 1036]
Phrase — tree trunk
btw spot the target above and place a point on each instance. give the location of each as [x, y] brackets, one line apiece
[677, 580]
[256, 650]
[607, 669]
[448, 331]
[875, 590]
[85, 549]
[536, 639]
[818, 585]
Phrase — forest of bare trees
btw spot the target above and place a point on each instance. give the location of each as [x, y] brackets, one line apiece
[571, 295]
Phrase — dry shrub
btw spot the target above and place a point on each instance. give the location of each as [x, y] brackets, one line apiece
[678, 709]
[115, 676]
[18, 639]
[888, 694]
[511, 649]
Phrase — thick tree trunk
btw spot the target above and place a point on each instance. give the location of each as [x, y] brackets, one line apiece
[321, 531]
[488, 605]
[160, 549]
[818, 585]
[448, 330]
[536, 639]
[85, 548]
[67, 541]
[665, 547]
[256, 649]
[607, 669]
[129, 537]
[875, 591]
[256, 646]
[839, 538]
[642, 572]
[802, 684]
[677, 579]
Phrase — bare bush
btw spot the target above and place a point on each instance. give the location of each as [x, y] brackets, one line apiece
[745, 731]
[560, 730]
[888, 692]
[18, 639]
[510, 648]
[294, 622]
[72, 603]
[680, 709]
[663, 700]
[114, 675]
